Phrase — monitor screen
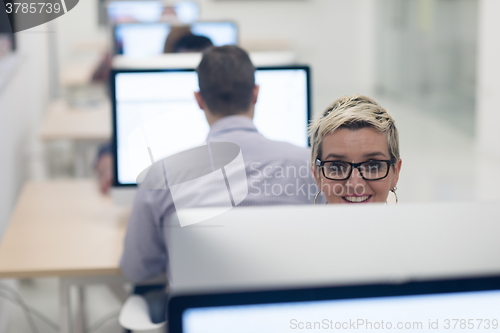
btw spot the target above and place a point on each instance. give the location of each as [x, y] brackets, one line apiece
[441, 306]
[412, 313]
[141, 40]
[156, 115]
[135, 11]
[148, 39]
[187, 11]
[220, 33]
[125, 11]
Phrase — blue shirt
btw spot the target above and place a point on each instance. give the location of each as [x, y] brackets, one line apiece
[278, 173]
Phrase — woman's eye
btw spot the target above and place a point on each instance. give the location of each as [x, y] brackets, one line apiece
[374, 165]
[337, 167]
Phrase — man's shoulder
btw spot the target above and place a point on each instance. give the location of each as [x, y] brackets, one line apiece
[286, 146]
[277, 149]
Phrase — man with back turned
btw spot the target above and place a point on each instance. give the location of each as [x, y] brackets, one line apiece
[277, 172]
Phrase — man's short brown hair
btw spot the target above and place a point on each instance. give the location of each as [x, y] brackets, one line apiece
[226, 77]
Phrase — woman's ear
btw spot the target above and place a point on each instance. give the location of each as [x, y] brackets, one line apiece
[316, 174]
[397, 169]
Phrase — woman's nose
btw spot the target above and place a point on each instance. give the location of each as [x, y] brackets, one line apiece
[356, 178]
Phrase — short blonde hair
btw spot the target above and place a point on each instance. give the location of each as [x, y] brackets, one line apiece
[353, 112]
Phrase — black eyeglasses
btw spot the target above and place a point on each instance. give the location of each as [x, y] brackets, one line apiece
[369, 170]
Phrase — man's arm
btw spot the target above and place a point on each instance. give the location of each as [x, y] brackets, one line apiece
[104, 167]
[144, 255]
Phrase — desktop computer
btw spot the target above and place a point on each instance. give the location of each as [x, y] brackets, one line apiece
[186, 11]
[135, 11]
[426, 306]
[148, 39]
[412, 267]
[155, 115]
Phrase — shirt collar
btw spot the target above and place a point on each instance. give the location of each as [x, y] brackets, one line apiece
[235, 122]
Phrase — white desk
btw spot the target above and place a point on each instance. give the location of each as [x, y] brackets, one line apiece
[65, 229]
[79, 73]
[86, 127]
[64, 122]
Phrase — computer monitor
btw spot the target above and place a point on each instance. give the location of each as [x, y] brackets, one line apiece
[155, 114]
[140, 39]
[135, 11]
[430, 306]
[220, 33]
[148, 39]
[187, 11]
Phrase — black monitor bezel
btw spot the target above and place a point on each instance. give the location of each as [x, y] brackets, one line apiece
[178, 304]
[116, 25]
[115, 72]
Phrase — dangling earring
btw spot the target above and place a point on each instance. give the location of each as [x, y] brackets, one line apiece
[318, 193]
[395, 195]
[316, 196]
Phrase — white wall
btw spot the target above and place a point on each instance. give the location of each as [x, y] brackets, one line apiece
[76, 26]
[335, 37]
[22, 100]
[488, 79]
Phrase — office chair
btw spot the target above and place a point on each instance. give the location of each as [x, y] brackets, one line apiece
[134, 315]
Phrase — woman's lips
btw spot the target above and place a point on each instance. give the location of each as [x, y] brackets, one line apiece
[357, 198]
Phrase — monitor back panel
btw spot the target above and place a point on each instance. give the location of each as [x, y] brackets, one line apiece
[252, 248]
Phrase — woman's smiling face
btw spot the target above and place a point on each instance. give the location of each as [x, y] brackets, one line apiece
[356, 146]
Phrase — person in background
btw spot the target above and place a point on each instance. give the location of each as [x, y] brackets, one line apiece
[175, 34]
[227, 96]
[104, 168]
[355, 152]
[192, 43]
[183, 44]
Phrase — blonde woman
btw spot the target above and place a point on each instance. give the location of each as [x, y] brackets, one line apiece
[355, 152]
